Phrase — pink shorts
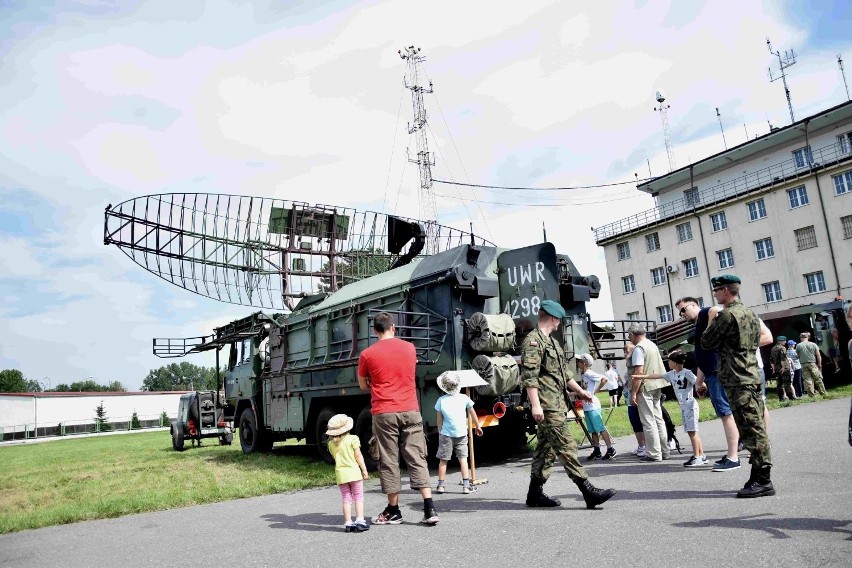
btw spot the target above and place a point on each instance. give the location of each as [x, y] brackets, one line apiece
[352, 491]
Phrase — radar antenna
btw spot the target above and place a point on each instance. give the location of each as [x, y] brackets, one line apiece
[264, 252]
[788, 60]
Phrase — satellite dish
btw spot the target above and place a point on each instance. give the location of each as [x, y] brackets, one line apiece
[265, 252]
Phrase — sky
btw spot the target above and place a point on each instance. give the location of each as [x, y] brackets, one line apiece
[107, 101]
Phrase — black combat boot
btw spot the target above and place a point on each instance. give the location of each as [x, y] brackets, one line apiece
[536, 496]
[593, 495]
[759, 484]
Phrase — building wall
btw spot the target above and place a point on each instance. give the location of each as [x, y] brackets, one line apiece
[788, 265]
[52, 408]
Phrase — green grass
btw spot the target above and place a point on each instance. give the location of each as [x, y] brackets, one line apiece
[65, 481]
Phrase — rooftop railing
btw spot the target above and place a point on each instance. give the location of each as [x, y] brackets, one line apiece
[774, 174]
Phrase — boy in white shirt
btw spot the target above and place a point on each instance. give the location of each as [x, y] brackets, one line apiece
[453, 409]
[594, 383]
[683, 380]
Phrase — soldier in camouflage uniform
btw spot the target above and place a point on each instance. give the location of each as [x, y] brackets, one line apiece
[735, 335]
[781, 368]
[545, 376]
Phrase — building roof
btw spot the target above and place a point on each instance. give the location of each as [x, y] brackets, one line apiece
[55, 394]
[776, 137]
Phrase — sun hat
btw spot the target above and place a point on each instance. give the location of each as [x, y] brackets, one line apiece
[585, 358]
[338, 424]
[448, 381]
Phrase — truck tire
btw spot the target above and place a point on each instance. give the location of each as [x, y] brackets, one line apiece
[364, 431]
[251, 438]
[320, 427]
[177, 439]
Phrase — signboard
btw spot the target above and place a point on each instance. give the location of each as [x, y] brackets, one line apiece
[527, 277]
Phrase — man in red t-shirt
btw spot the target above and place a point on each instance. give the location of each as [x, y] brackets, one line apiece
[386, 369]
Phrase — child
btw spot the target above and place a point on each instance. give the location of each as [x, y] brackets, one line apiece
[349, 470]
[682, 381]
[453, 410]
[594, 421]
[613, 384]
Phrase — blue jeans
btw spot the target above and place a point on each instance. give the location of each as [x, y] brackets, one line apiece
[717, 396]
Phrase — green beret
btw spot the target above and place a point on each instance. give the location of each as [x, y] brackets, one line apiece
[724, 280]
[781, 338]
[553, 308]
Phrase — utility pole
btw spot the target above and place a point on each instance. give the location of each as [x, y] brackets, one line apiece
[843, 73]
[424, 160]
[719, 116]
[788, 61]
[667, 134]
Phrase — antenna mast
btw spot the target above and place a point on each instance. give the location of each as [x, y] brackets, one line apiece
[719, 116]
[424, 160]
[788, 61]
[843, 73]
[667, 134]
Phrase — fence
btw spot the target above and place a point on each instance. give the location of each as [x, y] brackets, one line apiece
[75, 427]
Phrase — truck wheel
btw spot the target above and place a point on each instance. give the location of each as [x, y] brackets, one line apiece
[177, 439]
[364, 431]
[319, 434]
[226, 439]
[251, 439]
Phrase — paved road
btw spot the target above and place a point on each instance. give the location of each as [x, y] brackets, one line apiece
[663, 515]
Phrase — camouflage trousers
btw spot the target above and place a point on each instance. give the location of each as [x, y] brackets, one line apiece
[747, 406]
[811, 376]
[555, 441]
[785, 384]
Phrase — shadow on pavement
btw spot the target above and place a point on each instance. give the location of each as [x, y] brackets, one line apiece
[308, 522]
[626, 494]
[775, 526]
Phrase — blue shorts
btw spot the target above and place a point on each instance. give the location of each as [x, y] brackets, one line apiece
[717, 396]
[594, 421]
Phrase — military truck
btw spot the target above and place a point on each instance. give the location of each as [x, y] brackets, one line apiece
[467, 307]
[201, 414]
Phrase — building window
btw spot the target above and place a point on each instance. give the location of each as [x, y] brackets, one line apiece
[653, 241]
[756, 210]
[690, 267]
[658, 276]
[763, 249]
[691, 196]
[772, 292]
[806, 238]
[803, 157]
[664, 313]
[726, 258]
[847, 226]
[684, 232]
[815, 282]
[623, 250]
[842, 183]
[798, 196]
[719, 221]
[628, 284]
[633, 316]
[845, 143]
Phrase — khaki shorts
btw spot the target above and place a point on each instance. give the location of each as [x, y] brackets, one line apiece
[447, 445]
[401, 434]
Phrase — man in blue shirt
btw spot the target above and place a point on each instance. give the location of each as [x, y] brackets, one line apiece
[708, 382]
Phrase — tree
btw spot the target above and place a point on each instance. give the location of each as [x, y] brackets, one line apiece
[181, 376]
[357, 264]
[134, 422]
[12, 380]
[88, 385]
[101, 424]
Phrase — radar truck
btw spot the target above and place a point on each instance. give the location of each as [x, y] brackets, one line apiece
[467, 307]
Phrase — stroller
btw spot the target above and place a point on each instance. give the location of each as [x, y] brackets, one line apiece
[670, 429]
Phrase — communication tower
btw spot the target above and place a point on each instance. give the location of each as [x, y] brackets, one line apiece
[423, 158]
[788, 60]
[667, 134]
[719, 116]
[843, 74]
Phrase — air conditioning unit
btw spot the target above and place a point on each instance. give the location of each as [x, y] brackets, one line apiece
[671, 268]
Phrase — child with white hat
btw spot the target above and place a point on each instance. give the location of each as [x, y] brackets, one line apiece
[349, 470]
[453, 410]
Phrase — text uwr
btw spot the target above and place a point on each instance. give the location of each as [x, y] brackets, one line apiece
[526, 274]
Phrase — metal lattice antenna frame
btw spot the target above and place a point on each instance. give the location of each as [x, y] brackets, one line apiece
[663, 109]
[258, 251]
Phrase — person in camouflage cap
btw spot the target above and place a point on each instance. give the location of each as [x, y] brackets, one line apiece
[545, 376]
[735, 335]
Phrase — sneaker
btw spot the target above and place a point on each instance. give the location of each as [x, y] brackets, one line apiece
[466, 489]
[388, 518]
[361, 526]
[726, 464]
[647, 458]
[595, 455]
[640, 452]
[430, 517]
[440, 489]
[695, 461]
[349, 527]
[610, 453]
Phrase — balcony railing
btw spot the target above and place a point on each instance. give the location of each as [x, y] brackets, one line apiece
[775, 174]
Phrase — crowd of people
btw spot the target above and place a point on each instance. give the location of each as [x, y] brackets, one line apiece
[728, 366]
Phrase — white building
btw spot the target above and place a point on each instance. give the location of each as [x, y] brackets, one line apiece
[776, 211]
